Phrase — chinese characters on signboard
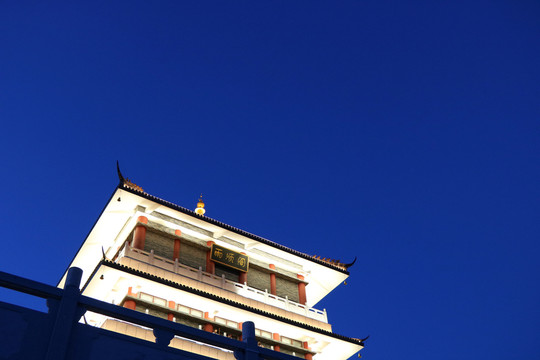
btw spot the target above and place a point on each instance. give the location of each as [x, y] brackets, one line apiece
[229, 258]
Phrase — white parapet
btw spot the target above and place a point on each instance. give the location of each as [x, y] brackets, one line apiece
[221, 283]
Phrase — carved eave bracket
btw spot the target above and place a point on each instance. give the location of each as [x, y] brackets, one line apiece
[336, 263]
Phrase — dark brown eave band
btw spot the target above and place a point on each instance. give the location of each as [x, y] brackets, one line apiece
[178, 286]
[229, 227]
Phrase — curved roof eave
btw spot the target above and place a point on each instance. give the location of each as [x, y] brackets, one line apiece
[230, 228]
[163, 281]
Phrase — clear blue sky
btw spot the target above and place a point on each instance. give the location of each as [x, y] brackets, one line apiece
[402, 132]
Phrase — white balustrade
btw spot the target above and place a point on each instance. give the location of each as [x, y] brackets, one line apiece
[222, 283]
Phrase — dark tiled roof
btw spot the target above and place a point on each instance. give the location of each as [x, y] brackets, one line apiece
[220, 299]
[232, 228]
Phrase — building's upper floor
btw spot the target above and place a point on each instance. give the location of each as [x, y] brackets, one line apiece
[141, 227]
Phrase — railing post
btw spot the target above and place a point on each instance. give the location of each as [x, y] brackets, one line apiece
[176, 266]
[163, 336]
[67, 315]
[223, 281]
[251, 351]
[151, 257]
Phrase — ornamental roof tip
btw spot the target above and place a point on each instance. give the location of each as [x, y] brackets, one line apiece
[126, 182]
[336, 263]
[361, 341]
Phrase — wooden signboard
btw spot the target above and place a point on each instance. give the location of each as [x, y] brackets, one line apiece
[229, 258]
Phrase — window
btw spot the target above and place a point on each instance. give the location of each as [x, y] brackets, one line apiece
[183, 309]
[264, 334]
[290, 341]
[187, 310]
[233, 324]
[146, 297]
[152, 299]
[160, 301]
[197, 313]
[226, 322]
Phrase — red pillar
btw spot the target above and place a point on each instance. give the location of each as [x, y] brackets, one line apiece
[176, 251]
[301, 290]
[210, 265]
[242, 277]
[276, 338]
[240, 327]
[140, 233]
[130, 304]
[273, 288]
[172, 305]
[208, 327]
[307, 356]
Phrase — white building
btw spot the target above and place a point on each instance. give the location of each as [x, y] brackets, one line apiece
[150, 255]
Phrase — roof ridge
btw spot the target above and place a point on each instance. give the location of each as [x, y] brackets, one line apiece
[335, 266]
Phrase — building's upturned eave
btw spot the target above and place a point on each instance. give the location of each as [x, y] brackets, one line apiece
[198, 292]
[229, 227]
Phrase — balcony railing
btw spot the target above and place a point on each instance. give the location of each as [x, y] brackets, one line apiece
[223, 283]
[57, 335]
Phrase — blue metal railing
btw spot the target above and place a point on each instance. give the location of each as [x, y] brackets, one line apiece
[67, 306]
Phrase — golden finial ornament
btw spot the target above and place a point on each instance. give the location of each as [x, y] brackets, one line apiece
[200, 207]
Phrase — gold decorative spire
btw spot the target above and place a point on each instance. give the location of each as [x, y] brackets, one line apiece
[200, 207]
